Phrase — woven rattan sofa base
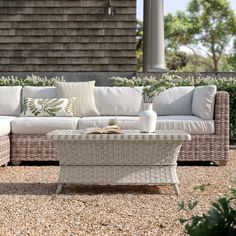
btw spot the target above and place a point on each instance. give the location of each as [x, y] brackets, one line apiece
[205, 148]
[4, 150]
[201, 148]
[31, 148]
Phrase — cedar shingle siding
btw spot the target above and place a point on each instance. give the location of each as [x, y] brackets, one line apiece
[66, 36]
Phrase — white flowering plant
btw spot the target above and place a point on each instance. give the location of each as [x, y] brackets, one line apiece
[30, 80]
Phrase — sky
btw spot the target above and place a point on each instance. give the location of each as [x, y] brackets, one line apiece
[171, 6]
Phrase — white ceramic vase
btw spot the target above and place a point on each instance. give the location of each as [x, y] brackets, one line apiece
[147, 119]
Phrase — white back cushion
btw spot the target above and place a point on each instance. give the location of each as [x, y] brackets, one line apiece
[124, 101]
[204, 101]
[39, 92]
[174, 101]
[10, 100]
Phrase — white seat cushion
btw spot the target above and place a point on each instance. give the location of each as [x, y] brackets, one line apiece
[191, 124]
[42, 125]
[5, 124]
[123, 101]
[174, 101]
[125, 122]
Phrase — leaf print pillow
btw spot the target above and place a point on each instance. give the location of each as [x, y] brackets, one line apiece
[49, 107]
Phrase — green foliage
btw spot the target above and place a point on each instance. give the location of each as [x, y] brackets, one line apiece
[219, 220]
[217, 24]
[179, 30]
[176, 60]
[139, 44]
[201, 187]
[207, 25]
[232, 57]
[30, 80]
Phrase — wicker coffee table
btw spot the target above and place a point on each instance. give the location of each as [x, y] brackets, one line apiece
[116, 159]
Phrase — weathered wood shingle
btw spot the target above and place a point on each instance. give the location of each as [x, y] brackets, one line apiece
[66, 35]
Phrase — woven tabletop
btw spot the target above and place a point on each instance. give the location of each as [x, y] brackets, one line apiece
[168, 135]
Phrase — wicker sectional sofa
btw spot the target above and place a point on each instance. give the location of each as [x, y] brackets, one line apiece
[23, 138]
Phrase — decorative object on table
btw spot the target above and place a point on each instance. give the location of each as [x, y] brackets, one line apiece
[114, 121]
[111, 129]
[148, 119]
[151, 88]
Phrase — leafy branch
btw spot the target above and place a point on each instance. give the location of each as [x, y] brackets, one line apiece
[219, 220]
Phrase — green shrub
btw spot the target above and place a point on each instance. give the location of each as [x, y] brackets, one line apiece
[30, 80]
[222, 84]
[219, 220]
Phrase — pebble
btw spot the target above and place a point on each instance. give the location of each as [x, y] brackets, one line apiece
[30, 207]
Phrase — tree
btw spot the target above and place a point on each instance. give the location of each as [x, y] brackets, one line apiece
[207, 24]
[179, 31]
[232, 58]
[176, 60]
[139, 44]
[218, 25]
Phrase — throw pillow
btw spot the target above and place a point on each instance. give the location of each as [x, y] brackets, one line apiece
[204, 101]
[48, 107]
[84, 93]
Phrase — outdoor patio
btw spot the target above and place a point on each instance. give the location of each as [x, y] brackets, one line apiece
[157, 89]
[29, 205]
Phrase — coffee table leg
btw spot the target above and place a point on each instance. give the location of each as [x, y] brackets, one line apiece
[176, 188]
[59, 188]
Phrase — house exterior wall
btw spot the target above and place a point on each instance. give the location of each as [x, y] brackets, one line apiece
[67, 36]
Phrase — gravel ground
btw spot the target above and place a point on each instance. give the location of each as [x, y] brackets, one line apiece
[28, 205]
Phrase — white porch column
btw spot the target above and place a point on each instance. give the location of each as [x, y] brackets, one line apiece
[146, 35]
[154, 56]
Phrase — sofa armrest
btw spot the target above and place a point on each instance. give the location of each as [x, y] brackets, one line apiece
[221, 115]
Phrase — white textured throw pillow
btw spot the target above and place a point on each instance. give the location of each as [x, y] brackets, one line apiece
[204, 101]
[174, 101]
[84, 93]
